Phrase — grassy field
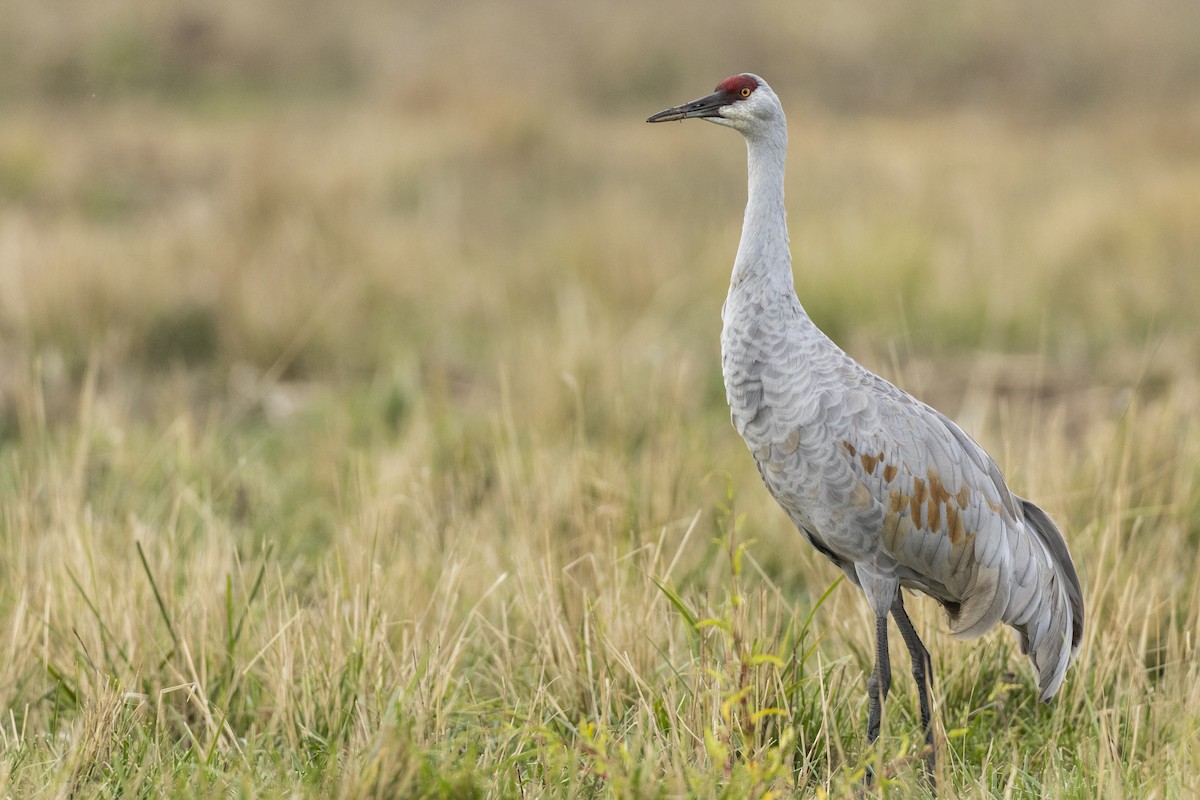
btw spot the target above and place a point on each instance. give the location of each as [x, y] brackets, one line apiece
[361, 424]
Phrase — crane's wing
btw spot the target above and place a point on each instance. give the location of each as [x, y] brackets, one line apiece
[949, 520]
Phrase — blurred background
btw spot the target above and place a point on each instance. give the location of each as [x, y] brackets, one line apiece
[422, 187]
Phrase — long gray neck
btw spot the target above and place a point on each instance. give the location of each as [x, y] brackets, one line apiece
[763, 253]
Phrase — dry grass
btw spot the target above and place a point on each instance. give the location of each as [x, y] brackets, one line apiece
[361, 426]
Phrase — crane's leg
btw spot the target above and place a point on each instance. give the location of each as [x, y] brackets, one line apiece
[922, 670]
[879, 683]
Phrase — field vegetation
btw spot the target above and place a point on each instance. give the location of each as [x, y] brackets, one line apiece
[361, 424]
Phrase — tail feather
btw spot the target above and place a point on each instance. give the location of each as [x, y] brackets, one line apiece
[983, 608]
[1051, 629]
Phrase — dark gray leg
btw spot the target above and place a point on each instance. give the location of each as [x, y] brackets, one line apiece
[922, 670]
[878, 684]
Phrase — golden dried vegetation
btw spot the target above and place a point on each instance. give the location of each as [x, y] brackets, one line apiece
[361, 424]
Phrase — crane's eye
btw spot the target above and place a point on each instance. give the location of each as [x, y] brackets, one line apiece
[745, 91]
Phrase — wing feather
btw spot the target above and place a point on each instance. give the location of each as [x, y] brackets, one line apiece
[949, 523]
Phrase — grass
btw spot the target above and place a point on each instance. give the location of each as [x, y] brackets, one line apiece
[361, 424]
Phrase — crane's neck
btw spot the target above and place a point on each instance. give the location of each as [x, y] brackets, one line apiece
[763, 254]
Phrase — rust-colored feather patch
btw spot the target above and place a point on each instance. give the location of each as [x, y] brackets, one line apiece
[892, 539]
[963, 496]
[954, 524]
[919, 491]
[935, 515]
[937, 490]
[870, 461]
[927, 504]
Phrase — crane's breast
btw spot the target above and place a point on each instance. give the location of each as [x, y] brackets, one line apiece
[788, 399]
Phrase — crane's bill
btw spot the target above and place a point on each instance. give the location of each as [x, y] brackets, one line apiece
[709, 106]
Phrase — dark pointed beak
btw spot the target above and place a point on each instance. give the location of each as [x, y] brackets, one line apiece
[709, 106]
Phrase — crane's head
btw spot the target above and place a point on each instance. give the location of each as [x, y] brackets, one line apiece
[744, 102]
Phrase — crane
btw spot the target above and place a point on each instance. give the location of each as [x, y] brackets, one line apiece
[888, 488]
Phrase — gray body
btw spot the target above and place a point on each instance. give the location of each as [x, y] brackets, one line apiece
[885, 486]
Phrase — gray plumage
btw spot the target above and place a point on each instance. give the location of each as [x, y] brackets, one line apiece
[887, 487]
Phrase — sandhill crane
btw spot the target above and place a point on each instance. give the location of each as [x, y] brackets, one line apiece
[888, 488]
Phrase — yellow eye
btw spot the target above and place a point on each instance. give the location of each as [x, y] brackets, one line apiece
[745, 91]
